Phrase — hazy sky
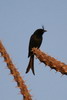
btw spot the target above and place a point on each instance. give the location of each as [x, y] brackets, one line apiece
[18, 20]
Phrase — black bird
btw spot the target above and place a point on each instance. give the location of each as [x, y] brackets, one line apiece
[35, 41]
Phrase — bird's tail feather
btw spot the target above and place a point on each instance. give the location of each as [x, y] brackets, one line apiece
[31, 65]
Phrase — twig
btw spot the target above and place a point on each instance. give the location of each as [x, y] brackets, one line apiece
[20, 82]
[50, 61]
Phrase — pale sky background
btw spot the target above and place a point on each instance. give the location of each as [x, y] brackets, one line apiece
[18, 20]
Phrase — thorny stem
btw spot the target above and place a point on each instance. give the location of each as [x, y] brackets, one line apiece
[20, 82]
[50, 61]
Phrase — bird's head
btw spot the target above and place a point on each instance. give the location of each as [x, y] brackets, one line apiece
[40, 31]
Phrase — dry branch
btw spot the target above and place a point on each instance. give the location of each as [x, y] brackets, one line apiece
[20, 82]
[50, 61]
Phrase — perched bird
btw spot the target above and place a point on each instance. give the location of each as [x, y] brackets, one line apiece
[35, 41]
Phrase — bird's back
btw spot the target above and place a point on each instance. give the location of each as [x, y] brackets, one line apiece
[35, 41]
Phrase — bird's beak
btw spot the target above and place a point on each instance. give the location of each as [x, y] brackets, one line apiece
[45, 30]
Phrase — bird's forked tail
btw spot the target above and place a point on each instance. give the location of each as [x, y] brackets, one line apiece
[31, 65]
